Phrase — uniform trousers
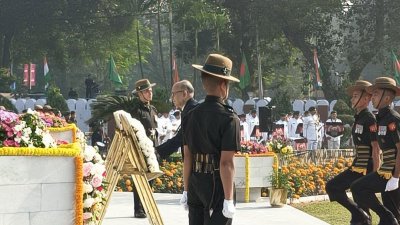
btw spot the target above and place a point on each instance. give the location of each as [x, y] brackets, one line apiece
[333, 144]
[364, 190]
[206, 199]
[336, 190]
[138, 206]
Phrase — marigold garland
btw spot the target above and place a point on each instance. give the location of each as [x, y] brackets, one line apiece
[256, 155]
[70, 150]
[69, 127]
[247, 179]
[78, 190]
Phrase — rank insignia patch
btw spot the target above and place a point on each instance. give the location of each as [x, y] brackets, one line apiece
[392, 126]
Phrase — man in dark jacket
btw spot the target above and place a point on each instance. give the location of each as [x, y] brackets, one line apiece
[211, 136]
[182, 97]
[146, 114]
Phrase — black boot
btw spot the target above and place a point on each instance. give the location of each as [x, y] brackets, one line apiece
[388, 221]
[140, 213]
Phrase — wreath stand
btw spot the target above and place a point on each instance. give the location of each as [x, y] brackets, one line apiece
[126, 157]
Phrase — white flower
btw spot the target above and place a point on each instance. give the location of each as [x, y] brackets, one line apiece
[27, 131]
[279, 145]
[89, 153]
[87, 203]
[98, 169]
[87, 187]
[98, 159]
[38, 131]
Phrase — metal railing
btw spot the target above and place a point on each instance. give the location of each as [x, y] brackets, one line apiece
[319, 156]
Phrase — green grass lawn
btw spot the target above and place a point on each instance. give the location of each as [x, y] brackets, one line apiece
[330, 212]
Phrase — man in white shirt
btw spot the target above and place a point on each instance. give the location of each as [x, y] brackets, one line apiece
[244, 128]
[164, 128]
[176, 122]
[283, 122]
[333, 131]
[252, 120]
[310, 129]
[292, 125]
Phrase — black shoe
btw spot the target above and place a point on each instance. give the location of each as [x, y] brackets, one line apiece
[365, 221]
[388, 221]
[140, 214]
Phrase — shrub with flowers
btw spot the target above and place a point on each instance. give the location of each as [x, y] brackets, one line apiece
[94, 173]
[170, 182]
[25, 130]
[251, 147]
[307, 179]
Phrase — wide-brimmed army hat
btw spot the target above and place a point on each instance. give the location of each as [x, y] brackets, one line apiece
[384, 83]
[219, 66]
[359, 85]
[142, 85]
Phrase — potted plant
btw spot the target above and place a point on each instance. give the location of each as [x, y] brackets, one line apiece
[278, 192]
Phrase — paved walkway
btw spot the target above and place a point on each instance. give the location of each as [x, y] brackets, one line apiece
[120, 212]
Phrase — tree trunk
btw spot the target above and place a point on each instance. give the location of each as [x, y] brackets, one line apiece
[160, 42]
[6, 54]
[138, 47]
[217, 39]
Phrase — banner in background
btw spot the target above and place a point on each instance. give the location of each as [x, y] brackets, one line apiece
[33, 75]
[26, 75]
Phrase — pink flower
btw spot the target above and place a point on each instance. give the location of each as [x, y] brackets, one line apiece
[87, 167]
[9, 143]
[96, 181]
[87, 215]
[10, 133]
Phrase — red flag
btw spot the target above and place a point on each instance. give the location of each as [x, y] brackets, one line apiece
[26, 74]
[33, 75]
[175, 75]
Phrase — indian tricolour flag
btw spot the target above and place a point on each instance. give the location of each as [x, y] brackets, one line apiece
[318, 70]
[46, 72]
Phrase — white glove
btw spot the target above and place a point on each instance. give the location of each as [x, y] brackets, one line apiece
[183, 200]
[229, 209]
[392, 184]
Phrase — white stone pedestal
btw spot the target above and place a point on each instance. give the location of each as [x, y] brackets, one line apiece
[37, 190]
[259, 176]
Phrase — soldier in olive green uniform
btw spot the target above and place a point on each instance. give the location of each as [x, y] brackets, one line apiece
[386, 179]
[146, 114]
[211, 137]
[367, 153]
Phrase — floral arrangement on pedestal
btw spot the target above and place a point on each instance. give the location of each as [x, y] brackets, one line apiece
[280, 145]
[24, 130]
[252, 148]
[94, 189]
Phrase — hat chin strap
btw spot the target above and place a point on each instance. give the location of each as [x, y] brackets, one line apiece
[380, 100]
[359, 99]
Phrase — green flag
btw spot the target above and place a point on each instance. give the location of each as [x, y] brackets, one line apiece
[244, 74]
[396, 67]
[112, 72]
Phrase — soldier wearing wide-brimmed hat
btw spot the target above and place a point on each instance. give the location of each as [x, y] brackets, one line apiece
[364, 134]
[146, 114]
[386, 179]
[211, 138]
